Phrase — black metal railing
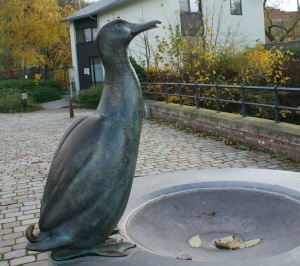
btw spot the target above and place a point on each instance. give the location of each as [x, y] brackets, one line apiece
[217, 99]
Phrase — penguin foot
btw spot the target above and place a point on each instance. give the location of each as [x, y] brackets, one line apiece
[109, 250]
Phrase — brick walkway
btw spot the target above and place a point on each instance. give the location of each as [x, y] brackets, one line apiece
[28, 142]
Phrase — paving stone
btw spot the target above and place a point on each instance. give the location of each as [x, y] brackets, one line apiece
[5, 249]
[42, 256]
[19, 246]
[12, 236]
[13, 214]
[5, 231]
[25, 217]
[21, 261]
[30, 221]
[21, 240]
[38, 263]
[5, 263]
[12, 225]
[20, 228]
[14, 254]
[8, 220]
[7, 243]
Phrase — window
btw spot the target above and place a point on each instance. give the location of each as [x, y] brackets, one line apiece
[236, 7]
[189, 5]
[86, 35]
[94, 31]
[79, 34]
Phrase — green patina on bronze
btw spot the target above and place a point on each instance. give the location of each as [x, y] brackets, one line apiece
[91, 175]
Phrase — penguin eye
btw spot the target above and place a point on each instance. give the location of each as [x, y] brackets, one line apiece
[119, 24]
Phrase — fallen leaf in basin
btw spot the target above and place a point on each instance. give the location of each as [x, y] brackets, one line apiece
[231, 242]
[222, 244]
[226, 239]
[234, 244]
[250, 243]
[206, 215]
[194, 241]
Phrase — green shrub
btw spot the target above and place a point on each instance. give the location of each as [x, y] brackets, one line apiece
[45, 91]
[9, 84]
[90, 98]
[138, 69]
[12, 103]
[291, 52]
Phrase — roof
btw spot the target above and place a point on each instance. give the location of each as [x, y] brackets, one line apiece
[277, 14]
[94, 9]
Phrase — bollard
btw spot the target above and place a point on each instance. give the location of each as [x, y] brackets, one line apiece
[71, 108]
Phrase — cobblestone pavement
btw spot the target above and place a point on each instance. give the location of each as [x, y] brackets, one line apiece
[28, 142]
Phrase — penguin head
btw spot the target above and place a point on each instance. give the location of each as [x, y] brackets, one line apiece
[118, 33]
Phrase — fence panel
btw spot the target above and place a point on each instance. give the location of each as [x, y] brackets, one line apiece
[157, 96]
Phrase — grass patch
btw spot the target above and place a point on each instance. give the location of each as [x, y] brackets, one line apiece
[90, 98]
[12, 103]
[44, 91]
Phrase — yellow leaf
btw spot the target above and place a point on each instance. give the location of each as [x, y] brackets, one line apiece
[250, 243]
[226, 239]
[194, 241]
[222, 244]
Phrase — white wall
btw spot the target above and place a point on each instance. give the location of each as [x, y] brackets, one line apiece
[146, 10]
[74, 53]
[250, 24]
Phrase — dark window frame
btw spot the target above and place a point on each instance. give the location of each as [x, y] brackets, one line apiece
[231, 7]
[83, 36]
[189, 7]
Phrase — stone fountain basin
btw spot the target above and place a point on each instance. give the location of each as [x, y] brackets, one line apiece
[163, 225]
[161, 211]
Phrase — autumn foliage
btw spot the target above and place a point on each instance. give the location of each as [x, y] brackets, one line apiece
[30, 34]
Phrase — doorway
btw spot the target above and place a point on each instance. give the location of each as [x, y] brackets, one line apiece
[96, 70]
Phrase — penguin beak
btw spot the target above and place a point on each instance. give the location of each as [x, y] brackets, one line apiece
[138, 28]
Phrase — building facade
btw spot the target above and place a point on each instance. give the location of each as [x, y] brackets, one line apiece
[217, 16]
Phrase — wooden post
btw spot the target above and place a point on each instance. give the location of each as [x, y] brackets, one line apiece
[71, 108]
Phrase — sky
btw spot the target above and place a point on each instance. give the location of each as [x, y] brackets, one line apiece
[286, 5]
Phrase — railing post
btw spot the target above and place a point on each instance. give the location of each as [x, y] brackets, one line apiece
[197, 95]
[145, 94]
[154, 90]
[243, 101]
[217, 99]
[180, 97]
[276, 104]
[166, 92]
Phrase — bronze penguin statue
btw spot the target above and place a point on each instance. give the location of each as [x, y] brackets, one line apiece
[92, 171]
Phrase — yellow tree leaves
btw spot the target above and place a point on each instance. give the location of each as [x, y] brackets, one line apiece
[30, 32]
